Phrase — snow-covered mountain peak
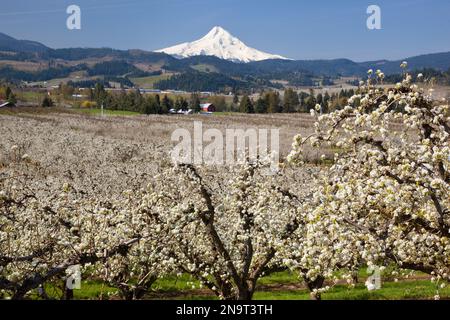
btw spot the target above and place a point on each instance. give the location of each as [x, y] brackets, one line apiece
[220, 43]
[218, 31]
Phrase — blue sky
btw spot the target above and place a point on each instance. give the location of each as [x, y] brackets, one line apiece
[299, 29]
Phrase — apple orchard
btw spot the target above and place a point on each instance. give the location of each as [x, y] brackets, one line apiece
[381, 200]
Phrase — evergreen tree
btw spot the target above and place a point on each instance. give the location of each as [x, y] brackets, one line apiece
[194, 103]
[47, 102]
[310, 101]
[273, 102]
[10, 96]
[235, 99]
[8, 93]
[178, 104]
[158, 102]
[326, 102]
[100, 94]
[291, 101]
[138, 101]
[261, 105]
[246, 105]
[152, 106]
[166, 105]
[12, 99]
[319, 99]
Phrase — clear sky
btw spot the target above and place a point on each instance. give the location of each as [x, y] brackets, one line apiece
[299, 29]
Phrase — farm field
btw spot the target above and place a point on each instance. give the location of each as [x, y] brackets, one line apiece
[148, 82]
[156, 130]
[98, 112]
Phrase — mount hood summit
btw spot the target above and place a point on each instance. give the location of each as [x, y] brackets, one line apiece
[221, 44]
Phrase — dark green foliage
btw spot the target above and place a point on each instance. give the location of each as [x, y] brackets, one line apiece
[124, 82]
[8, 43]
[47, 102]
[166, 104]
[440, 77]
[194, 103]
[246, 105]
[200, 81]
[261, 105]
[43, 75]
[181, 104]
[291, 101]
[7, 94]
[99, 94]
[273, 102]
[152, 105]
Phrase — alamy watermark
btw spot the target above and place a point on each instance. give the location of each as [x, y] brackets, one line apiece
[73, 280]
[373, 282]
[74, 20]
[374, 20]
[211, 147]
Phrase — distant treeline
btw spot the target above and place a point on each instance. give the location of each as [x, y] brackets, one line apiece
[271, 102]
[145, 104]
[106, 82]
[268, 102]
[202, 81]
[11, 74]
[439, 77]
[219, 82]
[108, 69]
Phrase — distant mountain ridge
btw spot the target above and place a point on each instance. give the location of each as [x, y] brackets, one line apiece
[138, 63]
[8, 43]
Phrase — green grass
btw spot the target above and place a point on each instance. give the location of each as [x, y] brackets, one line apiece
[148, 82]
[278, 286]
[30, 96]
[110, 113]
[173, 284]
[404, 290]
[284, 277]
[93, 290]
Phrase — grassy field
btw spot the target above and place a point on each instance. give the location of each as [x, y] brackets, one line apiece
[205, 68]
[30, 96]
[148, 82]
[157, 129]
[109, 113]
[279, 286]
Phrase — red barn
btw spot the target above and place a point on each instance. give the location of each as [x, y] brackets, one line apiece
[208, 107]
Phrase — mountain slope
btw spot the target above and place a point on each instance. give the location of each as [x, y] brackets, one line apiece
[8, 43]
[205, 71]
[438, 61]
[219, 43]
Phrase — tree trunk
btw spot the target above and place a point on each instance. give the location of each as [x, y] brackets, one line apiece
[67, 293]
[245, 295]
[245, 292]
[316, 284]
[355, 277]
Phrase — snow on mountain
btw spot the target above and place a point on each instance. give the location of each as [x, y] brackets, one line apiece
[220, 43]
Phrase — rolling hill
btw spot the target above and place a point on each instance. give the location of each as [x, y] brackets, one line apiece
[106, 62]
